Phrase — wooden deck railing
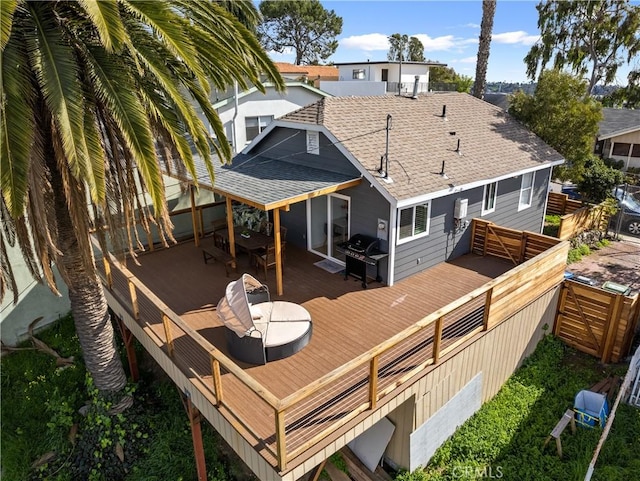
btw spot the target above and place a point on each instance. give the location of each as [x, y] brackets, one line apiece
[362, 383]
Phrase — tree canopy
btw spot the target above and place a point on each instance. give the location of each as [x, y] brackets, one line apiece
[591, 38]
[92, 93]
[598, 180]
[447, 75]
[404, 48]
[303, 26]
[561, 115]
[627, 97]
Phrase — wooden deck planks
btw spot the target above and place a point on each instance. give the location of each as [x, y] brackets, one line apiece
[348, 321]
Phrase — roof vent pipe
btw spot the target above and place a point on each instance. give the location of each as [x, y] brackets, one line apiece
[458, 148]
[415, 87]
[444, 112]
[442, 172]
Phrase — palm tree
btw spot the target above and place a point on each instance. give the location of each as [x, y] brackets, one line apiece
[484, 45]
[91, 92]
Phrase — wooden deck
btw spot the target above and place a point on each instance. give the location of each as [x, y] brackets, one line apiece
[366, 345]
[347, 322]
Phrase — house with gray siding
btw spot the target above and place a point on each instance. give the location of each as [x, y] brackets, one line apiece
[411, 172]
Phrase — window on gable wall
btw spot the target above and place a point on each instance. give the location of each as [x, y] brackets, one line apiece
[255, 125]
[413, 222]
[489, 198]
[526, 191]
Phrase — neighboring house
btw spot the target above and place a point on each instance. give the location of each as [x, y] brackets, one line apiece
[307, 73]
[34, 300]
[248, 113]
[380, 77]
[619, 136]
[439, 173]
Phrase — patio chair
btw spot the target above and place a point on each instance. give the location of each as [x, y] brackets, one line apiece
[258, 330]
[266, 259]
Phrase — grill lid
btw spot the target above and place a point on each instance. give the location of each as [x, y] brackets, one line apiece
[362, 243]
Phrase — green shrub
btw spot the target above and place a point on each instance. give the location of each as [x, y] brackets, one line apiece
[505, 437]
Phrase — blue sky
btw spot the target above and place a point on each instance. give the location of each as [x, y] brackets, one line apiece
[448, 29]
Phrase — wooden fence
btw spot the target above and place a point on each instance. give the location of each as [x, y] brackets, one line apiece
[560, 204]
[595, 321]
[362, 383]
[575, 217]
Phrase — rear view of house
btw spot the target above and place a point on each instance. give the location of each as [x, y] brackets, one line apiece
[434, 204]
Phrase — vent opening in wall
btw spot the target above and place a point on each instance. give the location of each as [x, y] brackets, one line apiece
[313, 142]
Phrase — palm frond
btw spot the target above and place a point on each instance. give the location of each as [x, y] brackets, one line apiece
[171, 31]
[111, 81]
[7, 9]
[16, 127]
[56, 72]
[105, 15]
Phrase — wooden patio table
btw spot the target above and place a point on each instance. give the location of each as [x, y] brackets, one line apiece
[255, 241]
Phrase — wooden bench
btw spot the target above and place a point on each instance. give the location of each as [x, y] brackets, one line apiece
[217, 254]
[567, 417]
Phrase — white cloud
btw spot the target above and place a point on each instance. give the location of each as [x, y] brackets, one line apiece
[472, 25]
[285, 54]
[518, 37]
[468, 59]
[444, 43]
[377, 41]
[368, 42]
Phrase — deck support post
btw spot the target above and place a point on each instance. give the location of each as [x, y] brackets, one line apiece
[281, 440]
[315, 473]
[232, 240]
[194, 217]
[278, 242]
[127, 337]
[134, 300]
[373, 383]
[217, 380]
[437, 340]
[168, 333]
[107, 271]
[487, 308]
[196, 435]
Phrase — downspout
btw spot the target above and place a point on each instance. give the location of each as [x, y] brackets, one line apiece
[234, 132]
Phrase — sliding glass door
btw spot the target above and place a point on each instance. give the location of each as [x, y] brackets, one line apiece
[328, 224]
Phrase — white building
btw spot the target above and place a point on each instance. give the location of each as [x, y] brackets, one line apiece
[380, 77]
[247, 114]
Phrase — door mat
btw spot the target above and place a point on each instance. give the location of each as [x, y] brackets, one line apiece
[329, 266]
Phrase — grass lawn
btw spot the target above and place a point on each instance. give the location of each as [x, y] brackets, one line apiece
[40, 405]
[504, 438]
[39, 409]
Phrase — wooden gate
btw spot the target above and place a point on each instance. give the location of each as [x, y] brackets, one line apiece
[596, 321]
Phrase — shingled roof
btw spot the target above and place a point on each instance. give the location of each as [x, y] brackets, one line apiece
[493, 145]
[618, 121]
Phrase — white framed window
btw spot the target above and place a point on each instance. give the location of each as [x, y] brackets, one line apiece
[254, 125]
[359, 74]
[526, 191]
[413, 222]
[489, 198]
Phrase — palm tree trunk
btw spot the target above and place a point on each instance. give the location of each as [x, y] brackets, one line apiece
[484, 45]
[88, 304]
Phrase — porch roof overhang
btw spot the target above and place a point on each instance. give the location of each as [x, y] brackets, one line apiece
[267, 184]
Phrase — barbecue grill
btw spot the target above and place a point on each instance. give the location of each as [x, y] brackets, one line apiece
[361, 251]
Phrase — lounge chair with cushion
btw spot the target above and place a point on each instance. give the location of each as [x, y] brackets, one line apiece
[259, 330]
